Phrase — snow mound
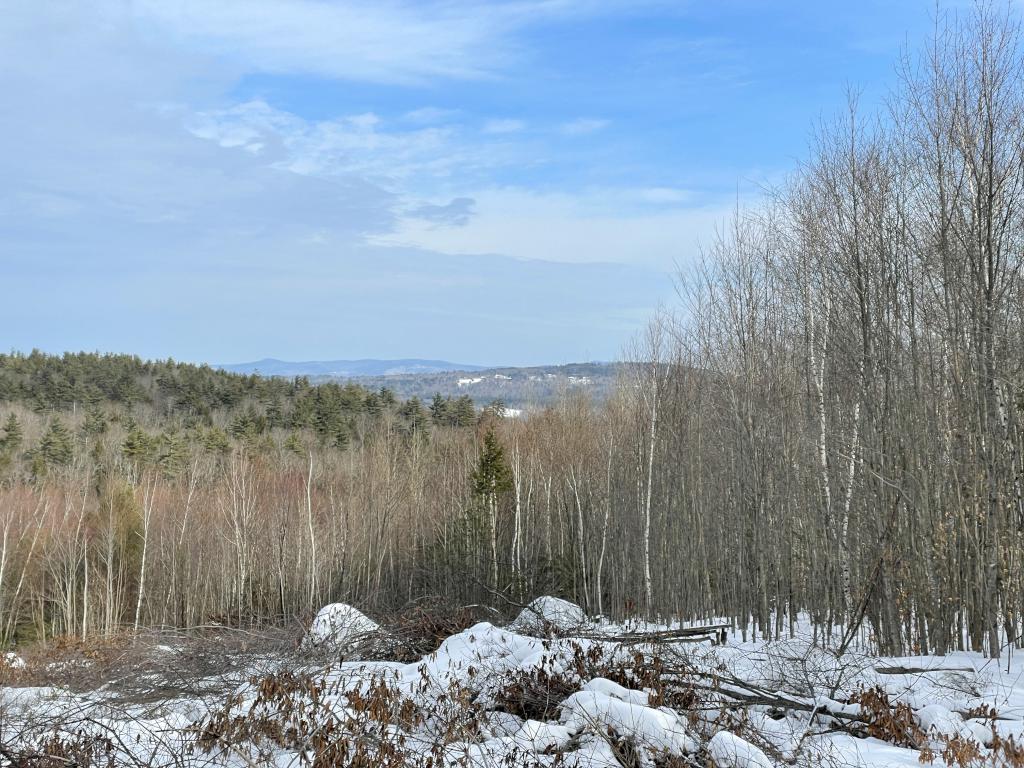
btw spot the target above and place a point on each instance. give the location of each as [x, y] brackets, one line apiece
[655, 729]
[338, 625]
[616, 691]
[937, 720]
[549, 612]
[539, 737]
[11, 660]
[729, 751]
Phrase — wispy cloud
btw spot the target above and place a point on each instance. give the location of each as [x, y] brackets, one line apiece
[658, 227]
[370, 41]
[385, 41]
[143, 168]
[455, 213]
[504, 126]
[583, 125]
[396, 154]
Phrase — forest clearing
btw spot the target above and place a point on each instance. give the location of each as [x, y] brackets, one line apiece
[785, 528]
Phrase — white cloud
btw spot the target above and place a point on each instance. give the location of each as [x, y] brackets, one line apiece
[395, 154]
[369, 41]
[617, 226]
[387, 41]
[582, 126]
[238, 231]
[455, 213]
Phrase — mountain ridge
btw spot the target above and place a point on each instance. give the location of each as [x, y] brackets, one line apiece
[270, 366]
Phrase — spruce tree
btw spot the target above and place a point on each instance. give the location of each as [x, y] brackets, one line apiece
[464, 412]
[138, 447]
[341, 437]
[293, 444]
[275, 415]
[13, 434]
[372, 404]
[387, 397]
[492, 478]
[439, 409]
[414, 415]
[57, 447]
[495, 410]
[173, 453]
[95, 422]
[216, 441]
[492, 475]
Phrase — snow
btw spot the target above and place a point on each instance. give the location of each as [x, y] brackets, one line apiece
[539, 737]
[549, 613]
[654, 729]
[608, 688]
[338, 625]
[730, 751]
[937, 720]
[596, 711]
[12, 660]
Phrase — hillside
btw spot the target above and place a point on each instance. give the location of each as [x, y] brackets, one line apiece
[517, 388]
[344, 368]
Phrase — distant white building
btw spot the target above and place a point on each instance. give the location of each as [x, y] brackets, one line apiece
[469, 382]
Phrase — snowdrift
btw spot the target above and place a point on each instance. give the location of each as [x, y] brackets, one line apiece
[498, 696]
[546, 613]
[337, 626]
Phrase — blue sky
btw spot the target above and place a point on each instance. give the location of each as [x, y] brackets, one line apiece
[487, 182]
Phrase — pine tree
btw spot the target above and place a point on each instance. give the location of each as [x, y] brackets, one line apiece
[492, 475]
[387, 397]
[372, 404]
[13, 435]
[173, 453]
[464, 412]
[275, 415]
[495, 410]
[215, 441]
[57, 446]
[138, 447]
[439, 409]
[492, 478]
[293, 444]
[416, 418]
[341, 436]
[95, 422]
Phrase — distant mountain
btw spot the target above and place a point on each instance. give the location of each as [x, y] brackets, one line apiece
[521, 389]
[346, 368]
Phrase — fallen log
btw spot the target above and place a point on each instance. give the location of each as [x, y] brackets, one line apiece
[900, 670]
[714, 632]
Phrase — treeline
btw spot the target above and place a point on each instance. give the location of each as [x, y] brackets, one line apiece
[118, 514]
[843, 387]
[829, 425]
[117, 475]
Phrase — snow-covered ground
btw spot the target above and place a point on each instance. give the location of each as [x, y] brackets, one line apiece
[594, 696]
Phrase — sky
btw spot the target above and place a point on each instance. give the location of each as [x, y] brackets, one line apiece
[508, 182]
